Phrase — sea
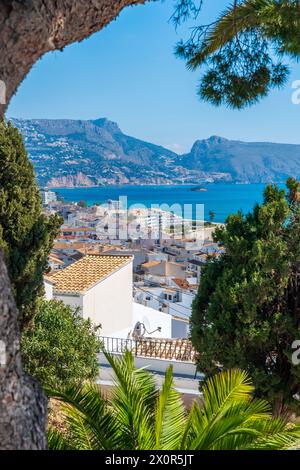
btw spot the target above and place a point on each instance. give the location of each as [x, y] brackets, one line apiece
[220, 198]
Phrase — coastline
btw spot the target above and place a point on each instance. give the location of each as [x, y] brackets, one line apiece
[121, 185]
[221, 198]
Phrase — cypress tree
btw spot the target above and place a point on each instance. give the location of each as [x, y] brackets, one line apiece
[247, 310]
[26, 234]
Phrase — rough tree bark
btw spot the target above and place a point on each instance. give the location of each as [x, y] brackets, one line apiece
[28, 29]
[23, 406]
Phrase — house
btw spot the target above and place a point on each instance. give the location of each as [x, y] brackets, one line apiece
[195, 266]
[48, 196]
[100, 286]
[173, 254]
[174, 302]
[157, 271]
[188, 285]
[196, 263]
[59, 259]
[55, 262]
[157, 256]
[78, 232]
[155, 324]
[139, 256]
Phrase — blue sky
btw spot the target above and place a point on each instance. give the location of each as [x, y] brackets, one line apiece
[129, 74]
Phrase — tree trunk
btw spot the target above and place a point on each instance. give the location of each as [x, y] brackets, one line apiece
[23, 406]
[29, 29]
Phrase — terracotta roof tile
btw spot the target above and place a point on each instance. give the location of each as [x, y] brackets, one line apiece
[85, 273]
[182, 283]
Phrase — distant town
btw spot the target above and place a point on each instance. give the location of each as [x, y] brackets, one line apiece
[151, 278]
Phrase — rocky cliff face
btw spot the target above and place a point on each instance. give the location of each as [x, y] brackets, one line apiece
[246, 162]
[70, 181]
[75, 153]
[85, 153]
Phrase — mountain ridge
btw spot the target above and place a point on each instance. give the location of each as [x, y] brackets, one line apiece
[96, 152]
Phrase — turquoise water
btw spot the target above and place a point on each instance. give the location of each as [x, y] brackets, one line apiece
[221, 198]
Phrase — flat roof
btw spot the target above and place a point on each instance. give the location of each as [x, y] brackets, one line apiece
[196, 262]
[150, 264]
[76, 229]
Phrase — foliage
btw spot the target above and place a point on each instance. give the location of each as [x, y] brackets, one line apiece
[138, 416]
[243, 52]
[26, 234]
[61, 347]
[247, 310]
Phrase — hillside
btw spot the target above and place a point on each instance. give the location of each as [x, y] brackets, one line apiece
[86, 153]
[247, 162]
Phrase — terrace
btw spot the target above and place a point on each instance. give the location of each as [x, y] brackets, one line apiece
[156, 355]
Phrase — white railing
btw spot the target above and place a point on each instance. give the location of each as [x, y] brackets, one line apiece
[169, 349]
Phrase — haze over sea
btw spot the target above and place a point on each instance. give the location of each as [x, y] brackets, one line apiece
[221, 198]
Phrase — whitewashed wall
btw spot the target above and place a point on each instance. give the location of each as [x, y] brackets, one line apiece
[151, 318]
[180, 368]
[109, 303]
[48, 290]
[74, 301]
[157, 256]
[180, 329]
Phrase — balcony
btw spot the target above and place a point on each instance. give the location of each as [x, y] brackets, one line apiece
[155, 355]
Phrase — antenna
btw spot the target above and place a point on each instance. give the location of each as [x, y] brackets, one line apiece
[140, 330]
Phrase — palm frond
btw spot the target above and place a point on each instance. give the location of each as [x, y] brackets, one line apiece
[133, 401]
[195, 424]
[229, 418]
[170, 417]
[137, 416]
[57, 440]
[278, 434]
[224, 389]
[87, 416]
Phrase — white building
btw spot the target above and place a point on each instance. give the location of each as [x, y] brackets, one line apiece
[114, 205]
[195, 266]
[176, 303]
[159, 272]
[155, 324]
[48, 196]
[100, 286]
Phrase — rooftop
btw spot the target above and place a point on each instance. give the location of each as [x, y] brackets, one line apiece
[55, 259]
[150, 264]
[69, 245]
[87, 272]
[76, 229]
[196, 262]
[170, 290]
[182, 283]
